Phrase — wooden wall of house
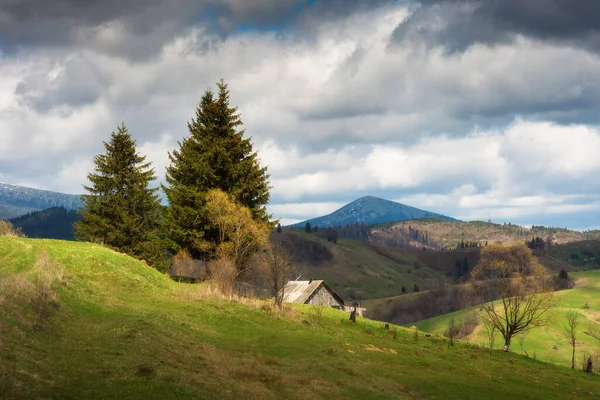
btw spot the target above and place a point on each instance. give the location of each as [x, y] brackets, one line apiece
[322, 297]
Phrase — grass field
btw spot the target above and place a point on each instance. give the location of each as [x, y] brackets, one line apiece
[80, 321]
[548, 343]
[363, 271]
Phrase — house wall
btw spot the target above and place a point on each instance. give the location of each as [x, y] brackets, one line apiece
[322, 297]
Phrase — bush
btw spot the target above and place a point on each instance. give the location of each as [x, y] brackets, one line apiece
[223, 273]
[183, 264]
[7, 229]
[315, 314]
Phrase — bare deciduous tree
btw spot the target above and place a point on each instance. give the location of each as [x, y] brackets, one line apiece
[593, 329]
[570, 331]
[524, 290]
[490, 330]
[276, 268]
[452, 330]
[522, 338]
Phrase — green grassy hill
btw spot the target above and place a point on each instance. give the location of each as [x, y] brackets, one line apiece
[359, 270]
[80, 321]
[548, 343]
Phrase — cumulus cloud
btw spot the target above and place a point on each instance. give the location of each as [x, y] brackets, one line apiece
[402, 100]
[529, 173]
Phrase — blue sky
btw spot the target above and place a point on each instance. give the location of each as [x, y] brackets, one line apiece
[473, 109]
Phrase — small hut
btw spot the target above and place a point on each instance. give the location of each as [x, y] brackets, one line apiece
[315, 292]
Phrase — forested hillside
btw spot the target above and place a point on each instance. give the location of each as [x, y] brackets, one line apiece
[20, 200]
[451, 235]
[53, 223]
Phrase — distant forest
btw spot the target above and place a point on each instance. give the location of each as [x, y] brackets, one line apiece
[52, 223]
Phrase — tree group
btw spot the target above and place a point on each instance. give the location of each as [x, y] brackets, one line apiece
[215, 188]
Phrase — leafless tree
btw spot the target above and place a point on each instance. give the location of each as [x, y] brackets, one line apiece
[570, 331]
[593, 329]
[524, 290]
[276, 268]
[522, 338]
[490, 330]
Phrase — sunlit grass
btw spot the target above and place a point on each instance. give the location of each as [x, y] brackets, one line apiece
[123, 330]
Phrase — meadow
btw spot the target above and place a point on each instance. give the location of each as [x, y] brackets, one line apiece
[78, 320]
[547, 343]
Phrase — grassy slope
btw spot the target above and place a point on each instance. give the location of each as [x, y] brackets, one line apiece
[377, 273]
[360, 270]
[548, 343]
[125, 331]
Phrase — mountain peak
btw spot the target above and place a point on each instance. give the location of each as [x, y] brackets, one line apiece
[372, 210]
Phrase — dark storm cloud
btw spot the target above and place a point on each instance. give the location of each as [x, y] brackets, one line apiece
[458, 24]
[139, 27]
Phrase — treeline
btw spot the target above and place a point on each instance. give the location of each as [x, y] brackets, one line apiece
[53, 223]
[402, 238]
[357, 231]
[537, 245]
[466, 245]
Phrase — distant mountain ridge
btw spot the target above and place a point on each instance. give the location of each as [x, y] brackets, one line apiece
[19, 200]
[372, 210]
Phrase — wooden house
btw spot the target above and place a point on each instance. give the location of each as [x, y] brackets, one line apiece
[315, 292]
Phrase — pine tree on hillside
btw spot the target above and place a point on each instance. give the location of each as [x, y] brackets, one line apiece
[215, 155]
[307, 228]
[120, 210]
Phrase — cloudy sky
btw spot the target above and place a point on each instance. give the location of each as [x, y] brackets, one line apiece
[475, 109]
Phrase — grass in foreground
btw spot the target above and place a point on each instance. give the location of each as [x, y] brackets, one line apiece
[81, 321]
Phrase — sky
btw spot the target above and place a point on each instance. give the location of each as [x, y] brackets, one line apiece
[476, 109]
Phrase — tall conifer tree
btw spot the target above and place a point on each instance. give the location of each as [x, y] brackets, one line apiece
[120, 210]
[215, 155]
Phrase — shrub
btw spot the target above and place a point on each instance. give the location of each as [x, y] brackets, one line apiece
[7, 229]
[315, 314]
[223, 273]
[183, 264]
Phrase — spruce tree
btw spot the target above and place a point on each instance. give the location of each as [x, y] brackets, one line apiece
[307, 228]
[215, 155]
[120, 210]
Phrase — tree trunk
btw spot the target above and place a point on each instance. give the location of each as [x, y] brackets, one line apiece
[506, 344]
[573, 358]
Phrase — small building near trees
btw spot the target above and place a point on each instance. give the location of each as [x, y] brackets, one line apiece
[317, 293]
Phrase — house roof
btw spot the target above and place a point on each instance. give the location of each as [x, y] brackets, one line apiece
[300, 291]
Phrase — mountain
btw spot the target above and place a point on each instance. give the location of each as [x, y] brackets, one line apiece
[19, 200]
[52, 223]
[371, 210]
